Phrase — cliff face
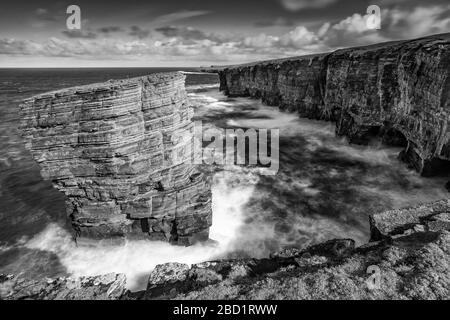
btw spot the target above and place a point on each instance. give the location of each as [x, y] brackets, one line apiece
[122, 153]
[399, 91]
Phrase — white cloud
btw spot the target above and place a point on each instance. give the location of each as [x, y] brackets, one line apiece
[260, 41]
[187, 44]
[416, 22]
[353, 24]
[299, 37]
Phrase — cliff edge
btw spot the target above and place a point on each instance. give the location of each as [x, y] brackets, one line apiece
[399, 91]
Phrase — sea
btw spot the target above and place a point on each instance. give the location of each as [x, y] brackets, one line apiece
[325, 187]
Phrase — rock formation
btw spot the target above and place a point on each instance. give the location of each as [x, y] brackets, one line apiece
[412, 261]
[397, 90]
[122, 153]
[409, 249]
[105, 287]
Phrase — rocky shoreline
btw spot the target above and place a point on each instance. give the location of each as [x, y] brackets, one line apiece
[409, 251]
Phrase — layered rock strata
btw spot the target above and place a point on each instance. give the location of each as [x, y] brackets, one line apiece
[122, 152]
[397, 90]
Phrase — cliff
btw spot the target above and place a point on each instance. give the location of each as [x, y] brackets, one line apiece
[122, 151]
[409, 253]
[399, 91]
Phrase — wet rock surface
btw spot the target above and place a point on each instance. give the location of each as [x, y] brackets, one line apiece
[122, 153]
[104, 287]
[396, 90]
[432, 217]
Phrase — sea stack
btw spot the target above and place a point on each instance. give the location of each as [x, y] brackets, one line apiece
[122, 152]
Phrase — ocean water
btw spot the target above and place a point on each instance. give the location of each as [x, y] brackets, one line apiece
[325, 188]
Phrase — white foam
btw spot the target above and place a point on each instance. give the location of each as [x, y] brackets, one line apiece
[202, 86]
[136, 259]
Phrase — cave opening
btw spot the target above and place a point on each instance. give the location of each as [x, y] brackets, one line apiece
[394, 137]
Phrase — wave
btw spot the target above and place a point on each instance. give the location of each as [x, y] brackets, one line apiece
[194, 72]
[202, 86]
[137, 258]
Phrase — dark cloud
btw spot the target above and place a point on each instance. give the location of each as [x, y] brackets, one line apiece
[182, 32]
[137, 31]
[192, 34]
[81, 34]
[110, 29]
[43, 14]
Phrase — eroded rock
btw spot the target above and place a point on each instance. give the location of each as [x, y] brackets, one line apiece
[427, 217]
[104, 287]
[122, 152]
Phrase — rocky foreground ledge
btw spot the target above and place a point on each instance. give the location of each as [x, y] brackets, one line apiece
[409, 252]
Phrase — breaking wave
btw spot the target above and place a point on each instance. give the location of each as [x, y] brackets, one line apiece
[137, 258]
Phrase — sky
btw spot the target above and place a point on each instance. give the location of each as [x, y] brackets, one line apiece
[192, 33]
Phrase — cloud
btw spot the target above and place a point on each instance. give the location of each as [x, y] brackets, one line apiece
[17, 47]
[260, 41]
[84, 48]
[183, 32]
[110, 29]
[83, 34]
[41, 11]
[43, 14]
[187, 44]
[416, 22]
[190, 34]
[44, 17]
[280, 22]
[396, 24]
[298, 38]
[179, 15]
[138, 32]
[297, 5]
